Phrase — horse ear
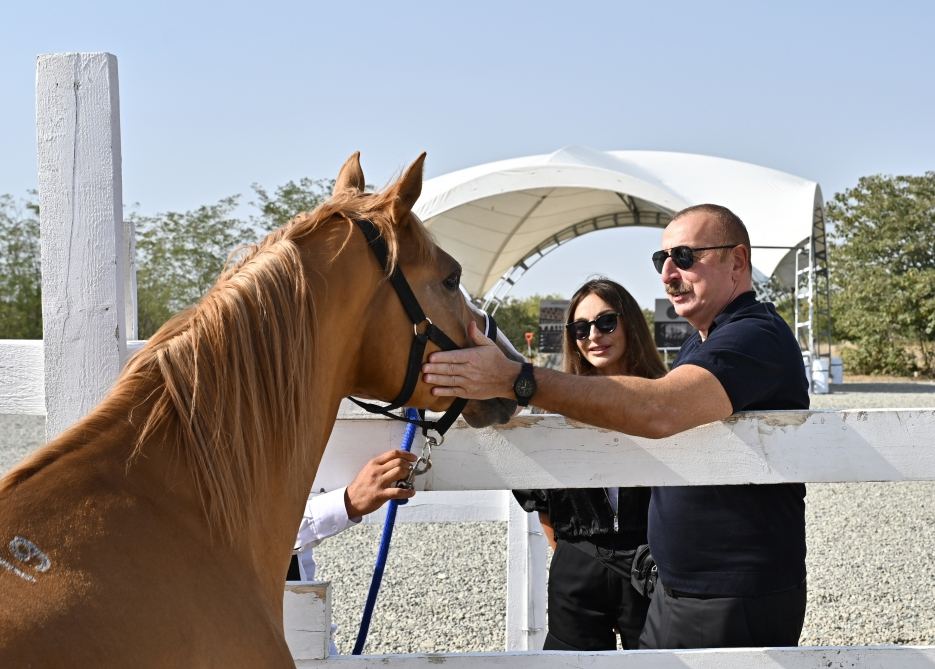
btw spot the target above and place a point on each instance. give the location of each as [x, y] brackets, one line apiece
[408, 189]
[350, 175]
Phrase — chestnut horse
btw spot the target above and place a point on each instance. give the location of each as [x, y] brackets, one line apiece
[157, 530]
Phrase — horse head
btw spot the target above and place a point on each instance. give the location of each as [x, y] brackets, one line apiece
[434, 277]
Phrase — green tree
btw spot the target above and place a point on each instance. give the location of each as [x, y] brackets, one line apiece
[516, 317]
[288, 200]
[782, 298]
[650, 317]
[883, 271]
[20, 280]
[180, 255]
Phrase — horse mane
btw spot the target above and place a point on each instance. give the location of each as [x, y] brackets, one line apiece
[227, 380]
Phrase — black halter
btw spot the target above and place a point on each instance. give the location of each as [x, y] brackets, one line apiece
[423, 331]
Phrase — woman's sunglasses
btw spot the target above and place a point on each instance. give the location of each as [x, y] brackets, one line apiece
[605, 323]
[683, 256]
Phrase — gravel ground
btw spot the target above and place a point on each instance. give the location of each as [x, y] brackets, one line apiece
[871, 559]
[871, 563]
[19, 434]
[871, 546]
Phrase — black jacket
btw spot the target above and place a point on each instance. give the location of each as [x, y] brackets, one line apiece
[585, 513]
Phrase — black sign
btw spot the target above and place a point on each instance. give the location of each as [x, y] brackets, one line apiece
[551, 325]
[550, 338]
[665, 312]
[672, 335]
[670, 329]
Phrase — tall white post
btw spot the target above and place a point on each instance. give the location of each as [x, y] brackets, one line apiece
[83, 243]
[525, 580]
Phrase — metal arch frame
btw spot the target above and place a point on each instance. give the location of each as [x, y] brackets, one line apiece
[812, 305]
[634, 217]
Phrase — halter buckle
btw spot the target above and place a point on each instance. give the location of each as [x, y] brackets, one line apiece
[424, 335]
[432, 441]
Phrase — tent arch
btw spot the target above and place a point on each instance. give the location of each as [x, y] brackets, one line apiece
[511, 277]
[499, 218]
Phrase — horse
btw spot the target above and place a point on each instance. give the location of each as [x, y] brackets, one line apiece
[157, 530]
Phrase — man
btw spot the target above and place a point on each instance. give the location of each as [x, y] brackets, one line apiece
[332, 512]
[731, 559]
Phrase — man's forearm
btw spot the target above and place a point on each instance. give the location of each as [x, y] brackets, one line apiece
[612, 402]
[685, 397]
[651, 408]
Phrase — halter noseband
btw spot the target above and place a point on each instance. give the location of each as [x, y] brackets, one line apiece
[423, 331]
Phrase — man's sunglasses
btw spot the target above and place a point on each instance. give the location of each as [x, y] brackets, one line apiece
[605, 323]
[683, 256]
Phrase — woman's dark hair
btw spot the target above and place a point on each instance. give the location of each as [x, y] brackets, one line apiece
[640, 357]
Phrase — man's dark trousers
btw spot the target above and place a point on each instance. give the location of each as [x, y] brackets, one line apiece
[679, 620]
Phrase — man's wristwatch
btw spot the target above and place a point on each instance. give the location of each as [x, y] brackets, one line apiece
[525, 385]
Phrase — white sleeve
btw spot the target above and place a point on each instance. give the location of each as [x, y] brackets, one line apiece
[325, 515]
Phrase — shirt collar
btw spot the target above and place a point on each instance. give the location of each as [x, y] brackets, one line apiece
[743, 300]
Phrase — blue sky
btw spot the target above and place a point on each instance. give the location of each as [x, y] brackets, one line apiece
[216, 97]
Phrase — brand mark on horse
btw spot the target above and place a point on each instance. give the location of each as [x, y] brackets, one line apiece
[28, 553]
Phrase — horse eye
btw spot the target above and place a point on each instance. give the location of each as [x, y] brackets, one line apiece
[452, 281]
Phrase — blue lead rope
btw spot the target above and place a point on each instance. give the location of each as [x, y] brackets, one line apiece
[384, 550]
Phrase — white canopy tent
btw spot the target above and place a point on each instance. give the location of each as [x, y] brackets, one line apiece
[499, 218]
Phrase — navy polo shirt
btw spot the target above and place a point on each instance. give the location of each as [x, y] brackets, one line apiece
[737, 540]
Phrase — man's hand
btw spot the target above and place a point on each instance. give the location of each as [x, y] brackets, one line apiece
[477, 373]
[373, 485]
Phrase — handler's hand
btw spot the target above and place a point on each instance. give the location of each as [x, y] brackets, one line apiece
[477, 373]
[373, 485]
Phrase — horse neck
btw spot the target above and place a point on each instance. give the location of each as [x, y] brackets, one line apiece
[341, 276]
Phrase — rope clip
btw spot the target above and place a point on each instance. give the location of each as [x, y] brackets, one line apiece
[422, 464]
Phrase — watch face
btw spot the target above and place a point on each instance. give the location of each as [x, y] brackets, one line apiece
[524, 387]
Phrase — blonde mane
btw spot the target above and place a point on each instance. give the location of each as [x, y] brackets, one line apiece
[229, 380]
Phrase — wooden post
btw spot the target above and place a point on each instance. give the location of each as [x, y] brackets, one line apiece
[525, 580]
[83, 246]
[306, 608]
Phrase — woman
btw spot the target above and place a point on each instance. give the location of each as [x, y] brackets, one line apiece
[595, 532]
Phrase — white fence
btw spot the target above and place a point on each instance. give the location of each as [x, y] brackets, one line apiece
[89, 314]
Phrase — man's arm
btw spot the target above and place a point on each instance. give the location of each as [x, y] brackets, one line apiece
[325, 515]
[374, 485]
[332, 512]
[686, 397]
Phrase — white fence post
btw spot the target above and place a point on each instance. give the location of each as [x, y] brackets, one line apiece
[306, 612]
[83, 245]
[525, 580]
